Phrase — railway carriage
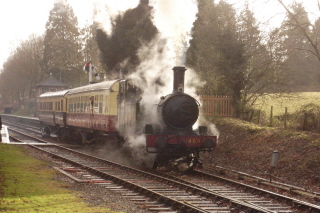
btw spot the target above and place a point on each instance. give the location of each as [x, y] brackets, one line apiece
[52, 108]
[90, 111]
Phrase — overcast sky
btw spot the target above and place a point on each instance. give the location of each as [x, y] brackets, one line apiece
[21, 18]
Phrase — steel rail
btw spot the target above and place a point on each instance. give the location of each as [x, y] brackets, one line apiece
[195, 190]
[294, 201]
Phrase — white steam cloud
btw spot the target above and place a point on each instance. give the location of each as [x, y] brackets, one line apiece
[174, 20]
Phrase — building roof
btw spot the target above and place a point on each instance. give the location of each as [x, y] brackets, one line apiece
[51, 81]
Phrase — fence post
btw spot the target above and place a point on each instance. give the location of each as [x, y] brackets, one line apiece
[271, 116]
[305, 121]
[318, 125]
[285, 117]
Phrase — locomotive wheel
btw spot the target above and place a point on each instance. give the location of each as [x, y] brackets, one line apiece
[183, 167]
[155, 165]
[45, 131]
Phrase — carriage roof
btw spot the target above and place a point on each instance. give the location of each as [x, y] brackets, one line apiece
[60, 93]
[105, 85]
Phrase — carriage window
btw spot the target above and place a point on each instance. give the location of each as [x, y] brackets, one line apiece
[85, 107]
[96, 107]
[81, 107]
[100, 107]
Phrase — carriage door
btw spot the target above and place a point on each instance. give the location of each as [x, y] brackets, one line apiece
[91, 108]
[127, 106]
[121, 106]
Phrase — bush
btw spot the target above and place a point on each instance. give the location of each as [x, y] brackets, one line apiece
[308, 117]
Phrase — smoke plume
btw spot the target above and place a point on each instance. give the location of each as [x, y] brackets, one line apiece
[106, 12]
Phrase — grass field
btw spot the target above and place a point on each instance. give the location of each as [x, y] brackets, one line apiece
[293, 102]
[28, 185]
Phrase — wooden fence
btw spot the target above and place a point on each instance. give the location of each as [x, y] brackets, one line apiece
[216, 105]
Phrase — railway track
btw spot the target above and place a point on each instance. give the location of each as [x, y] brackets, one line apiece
[160, 192]
[263, 182]
[247, 192]
[23, 130]
[163, 193]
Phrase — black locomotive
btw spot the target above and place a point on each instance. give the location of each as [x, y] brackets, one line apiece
[175, 142]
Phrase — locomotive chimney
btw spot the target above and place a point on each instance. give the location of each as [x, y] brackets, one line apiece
[178, 79]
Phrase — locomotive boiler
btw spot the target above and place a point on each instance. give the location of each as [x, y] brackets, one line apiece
[176, 143]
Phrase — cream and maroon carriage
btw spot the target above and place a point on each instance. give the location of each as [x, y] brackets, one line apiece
[90, 111]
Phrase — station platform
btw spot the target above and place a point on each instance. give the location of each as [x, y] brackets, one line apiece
[4, 134]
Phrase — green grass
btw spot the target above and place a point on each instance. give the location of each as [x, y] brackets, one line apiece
[292, 101]
[28, 185]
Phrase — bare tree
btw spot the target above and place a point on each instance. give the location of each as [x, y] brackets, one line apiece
[306, 28]
[21, 72]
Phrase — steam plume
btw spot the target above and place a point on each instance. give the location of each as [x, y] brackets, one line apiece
[174, 20]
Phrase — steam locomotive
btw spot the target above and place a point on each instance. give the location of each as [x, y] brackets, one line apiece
[112, 108]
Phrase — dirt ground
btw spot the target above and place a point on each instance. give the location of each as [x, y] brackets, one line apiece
[248, 147]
